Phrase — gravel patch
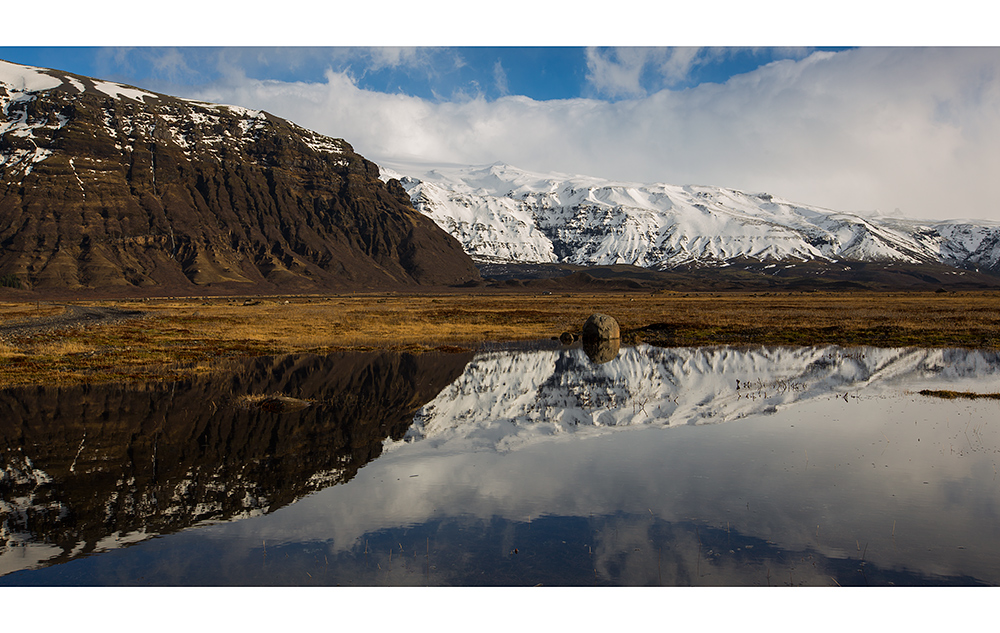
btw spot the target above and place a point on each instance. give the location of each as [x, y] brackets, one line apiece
[73, 317]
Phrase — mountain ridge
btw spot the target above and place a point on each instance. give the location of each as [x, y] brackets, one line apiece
[502, 214]
[108, 188]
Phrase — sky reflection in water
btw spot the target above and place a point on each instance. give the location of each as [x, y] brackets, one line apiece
[713, 466]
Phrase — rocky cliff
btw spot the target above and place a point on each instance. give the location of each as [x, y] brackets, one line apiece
[111, 188]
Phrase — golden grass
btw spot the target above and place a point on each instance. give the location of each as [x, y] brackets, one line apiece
[890, 319]
[12, 312]
[63, 348]
[184, 336]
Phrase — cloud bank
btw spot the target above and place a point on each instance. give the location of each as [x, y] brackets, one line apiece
[868, 129]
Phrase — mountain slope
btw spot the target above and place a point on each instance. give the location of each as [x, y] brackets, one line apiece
[104, 186]
[503, 214]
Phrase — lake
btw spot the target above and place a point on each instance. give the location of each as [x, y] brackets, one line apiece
[514, 466]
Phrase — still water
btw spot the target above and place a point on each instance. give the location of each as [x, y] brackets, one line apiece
[676, 467]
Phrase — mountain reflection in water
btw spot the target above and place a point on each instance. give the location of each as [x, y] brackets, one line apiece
[87, 468]
[515, 468]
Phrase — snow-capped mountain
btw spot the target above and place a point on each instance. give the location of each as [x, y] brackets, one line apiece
[503, 214]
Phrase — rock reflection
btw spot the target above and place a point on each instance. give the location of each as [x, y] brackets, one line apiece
[89, 468]
[601, 351]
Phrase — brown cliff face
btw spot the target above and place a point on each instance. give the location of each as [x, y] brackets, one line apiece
[109, 188]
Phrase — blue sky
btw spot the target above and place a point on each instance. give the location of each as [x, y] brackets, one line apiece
[645, 93]
[435, 73]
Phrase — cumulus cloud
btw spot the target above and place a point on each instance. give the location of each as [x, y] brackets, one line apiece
[858, 130]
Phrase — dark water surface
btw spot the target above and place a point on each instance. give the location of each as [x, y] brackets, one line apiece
[677, 467]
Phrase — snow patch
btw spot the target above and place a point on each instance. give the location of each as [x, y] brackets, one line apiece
[26, 78]
[117, 90]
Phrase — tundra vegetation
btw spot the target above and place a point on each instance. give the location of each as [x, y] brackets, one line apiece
[174, 338]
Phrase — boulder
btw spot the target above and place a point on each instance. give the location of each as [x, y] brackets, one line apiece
[601, 327]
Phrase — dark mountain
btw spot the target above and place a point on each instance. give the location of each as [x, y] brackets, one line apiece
[109, 188]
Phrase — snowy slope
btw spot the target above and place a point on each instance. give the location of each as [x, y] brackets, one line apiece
[503, 214]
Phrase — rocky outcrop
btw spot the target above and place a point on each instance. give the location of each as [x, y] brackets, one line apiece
[108, 187]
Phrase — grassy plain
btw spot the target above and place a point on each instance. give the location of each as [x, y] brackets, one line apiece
[178, 337]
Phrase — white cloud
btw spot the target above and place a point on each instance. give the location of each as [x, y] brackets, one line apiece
[500, 79]
[394, 56]
[632, 72]
[677, 63]
[616, 73]
[914, 129]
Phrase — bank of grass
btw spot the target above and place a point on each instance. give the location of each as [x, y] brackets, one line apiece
[945, 394]
[184, 336]
[970, 320]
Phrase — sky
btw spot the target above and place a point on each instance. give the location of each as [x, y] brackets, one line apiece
[892, 114]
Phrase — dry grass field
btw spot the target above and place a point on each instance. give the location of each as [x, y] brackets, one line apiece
[176, 337]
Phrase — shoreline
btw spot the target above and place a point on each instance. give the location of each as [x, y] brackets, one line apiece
[168, 339]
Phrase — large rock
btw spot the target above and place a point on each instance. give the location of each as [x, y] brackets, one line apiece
[601, 327]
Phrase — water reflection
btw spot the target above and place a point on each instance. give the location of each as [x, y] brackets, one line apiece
[504, 399]
[92, 468]
[663, 466]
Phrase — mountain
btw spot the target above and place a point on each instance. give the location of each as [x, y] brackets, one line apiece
[502, 214]
[106, 187]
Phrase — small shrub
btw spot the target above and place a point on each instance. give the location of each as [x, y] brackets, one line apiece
[10, 280]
